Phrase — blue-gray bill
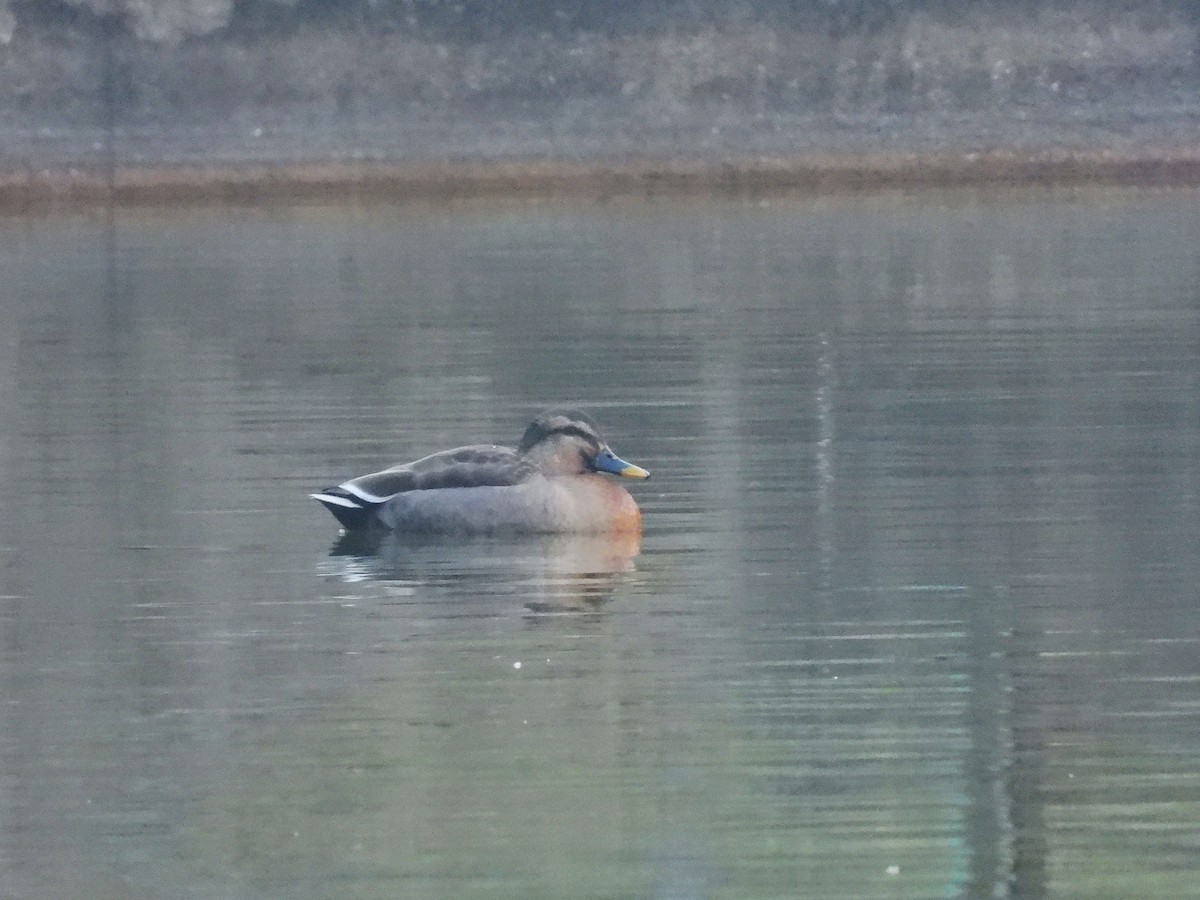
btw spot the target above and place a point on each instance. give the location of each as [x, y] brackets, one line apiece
[607, 461]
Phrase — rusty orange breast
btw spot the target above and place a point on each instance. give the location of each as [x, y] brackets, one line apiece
[622, 510]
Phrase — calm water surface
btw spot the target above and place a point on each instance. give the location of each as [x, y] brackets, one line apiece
[915, 613]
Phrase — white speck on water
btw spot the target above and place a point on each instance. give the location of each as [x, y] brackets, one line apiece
[517, 664]
[893, 870]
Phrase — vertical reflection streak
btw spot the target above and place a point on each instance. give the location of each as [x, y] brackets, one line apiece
[825, 463]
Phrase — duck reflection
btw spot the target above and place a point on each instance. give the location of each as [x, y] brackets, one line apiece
[560, 573]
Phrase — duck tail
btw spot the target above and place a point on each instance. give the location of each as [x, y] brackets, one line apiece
[353, 512]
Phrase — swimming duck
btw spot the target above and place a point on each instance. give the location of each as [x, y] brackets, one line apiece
[550, 483]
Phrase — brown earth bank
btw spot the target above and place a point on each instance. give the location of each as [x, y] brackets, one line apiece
[75, 187]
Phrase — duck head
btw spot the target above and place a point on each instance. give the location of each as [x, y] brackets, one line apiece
[568, 442]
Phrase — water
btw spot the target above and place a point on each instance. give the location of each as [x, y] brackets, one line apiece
[914, 614]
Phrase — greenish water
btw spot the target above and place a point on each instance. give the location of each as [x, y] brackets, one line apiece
[914, 614]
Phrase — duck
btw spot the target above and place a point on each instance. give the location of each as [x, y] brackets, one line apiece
[552, 482]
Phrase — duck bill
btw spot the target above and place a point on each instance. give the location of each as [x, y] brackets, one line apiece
[614, 465]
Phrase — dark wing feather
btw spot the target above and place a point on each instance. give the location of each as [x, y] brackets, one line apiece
[354, 502]
[477, 466]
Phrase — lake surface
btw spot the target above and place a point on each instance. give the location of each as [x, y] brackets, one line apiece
[915, 612]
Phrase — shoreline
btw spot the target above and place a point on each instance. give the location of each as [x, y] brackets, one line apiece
[64, 188]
